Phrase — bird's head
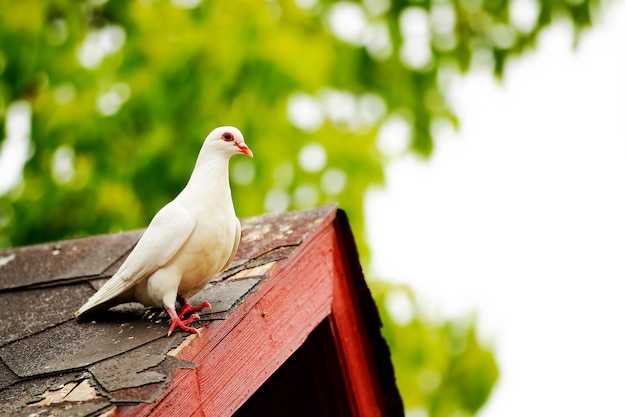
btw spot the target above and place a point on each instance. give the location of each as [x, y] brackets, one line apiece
[227, 140]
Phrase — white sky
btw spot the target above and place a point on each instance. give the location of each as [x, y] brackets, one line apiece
[521, 217]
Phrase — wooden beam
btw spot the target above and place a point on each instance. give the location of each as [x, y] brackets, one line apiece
[350, 337]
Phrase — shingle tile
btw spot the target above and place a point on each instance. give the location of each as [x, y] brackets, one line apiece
[41, 264]
[75, 345]
[27, 312]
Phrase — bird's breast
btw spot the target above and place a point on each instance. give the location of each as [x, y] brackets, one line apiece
[204, 254]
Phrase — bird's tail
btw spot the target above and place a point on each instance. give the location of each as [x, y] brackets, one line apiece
[111, 293]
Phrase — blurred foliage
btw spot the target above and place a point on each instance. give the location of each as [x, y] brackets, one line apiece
[109, 102]
[441, 367]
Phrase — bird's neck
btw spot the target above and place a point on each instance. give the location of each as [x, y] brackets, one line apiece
[210, 177]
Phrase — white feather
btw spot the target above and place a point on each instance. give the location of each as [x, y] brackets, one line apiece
[188, 241]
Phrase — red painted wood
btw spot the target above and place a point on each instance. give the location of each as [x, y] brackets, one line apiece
[350, 338]
[235, 356]
[271, 332]
[309, 384]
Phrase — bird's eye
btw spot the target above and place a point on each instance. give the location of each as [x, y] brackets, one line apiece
[228, 137]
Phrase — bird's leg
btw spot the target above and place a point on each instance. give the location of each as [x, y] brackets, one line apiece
[181, 324]
[186, 308]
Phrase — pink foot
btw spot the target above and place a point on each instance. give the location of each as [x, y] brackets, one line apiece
[187, 308]
[182, 324]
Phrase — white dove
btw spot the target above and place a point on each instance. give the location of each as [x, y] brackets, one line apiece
[188, 242]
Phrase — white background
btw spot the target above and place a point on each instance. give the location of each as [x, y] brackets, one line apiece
[520, 217]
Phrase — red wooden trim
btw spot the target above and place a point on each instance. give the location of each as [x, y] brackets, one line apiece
[235, 356]
[350, 337]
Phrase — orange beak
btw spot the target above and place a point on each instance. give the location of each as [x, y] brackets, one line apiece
[243, 148]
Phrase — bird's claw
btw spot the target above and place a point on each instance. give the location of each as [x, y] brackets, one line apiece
[187, 308]
[182, 325]
[178, 318]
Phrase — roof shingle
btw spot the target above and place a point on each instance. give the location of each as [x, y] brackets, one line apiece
[51, 363]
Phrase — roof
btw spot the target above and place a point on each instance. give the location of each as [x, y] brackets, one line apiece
[52, 363]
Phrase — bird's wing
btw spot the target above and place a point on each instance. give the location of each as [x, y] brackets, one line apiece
[165, 236]
[235, 246]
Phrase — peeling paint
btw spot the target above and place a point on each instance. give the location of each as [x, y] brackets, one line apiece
[254, 271]
[4, 260]
[109, 413]
[174, 352]
[70, 392]
[257, 232]
[83, 392]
